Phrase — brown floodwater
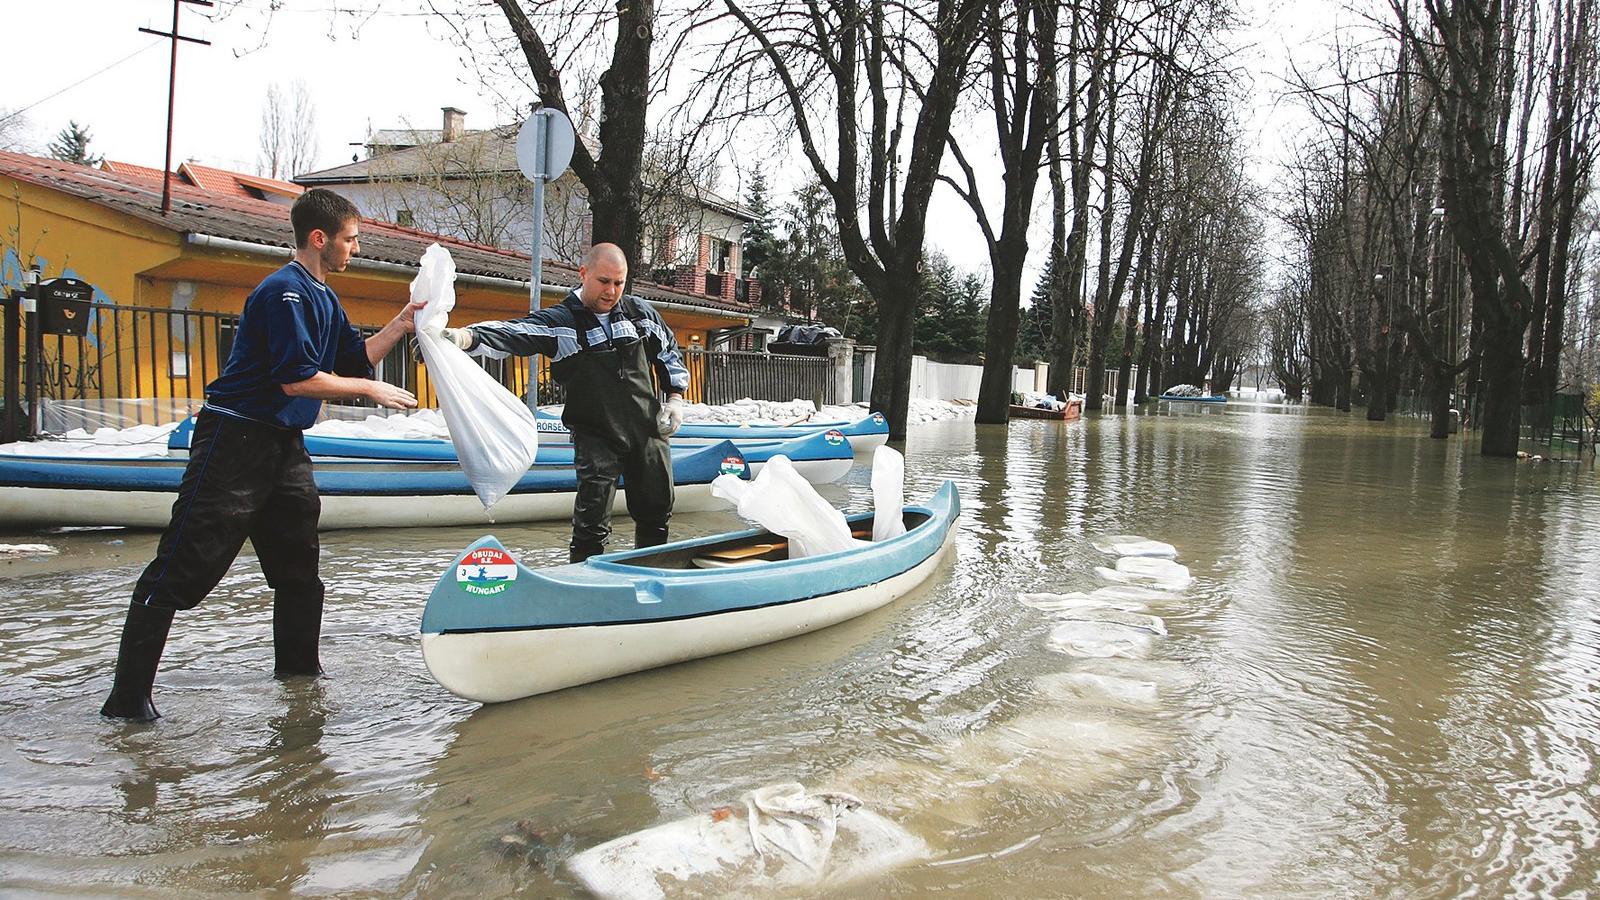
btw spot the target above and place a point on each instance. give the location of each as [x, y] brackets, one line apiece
[1383, 680]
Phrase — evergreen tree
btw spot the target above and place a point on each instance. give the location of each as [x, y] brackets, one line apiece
[950, 325]
[72, 145]
[760, 244]
[810, 264]
[1033, 344]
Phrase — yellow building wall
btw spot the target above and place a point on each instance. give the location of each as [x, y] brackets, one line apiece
[138, 266]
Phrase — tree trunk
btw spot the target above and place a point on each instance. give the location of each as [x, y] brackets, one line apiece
[1000, 342]
[1502, 391]
[891, 376]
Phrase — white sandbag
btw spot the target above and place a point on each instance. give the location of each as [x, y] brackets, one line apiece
[1123, 595]
[888, 493]
[1077, 600]
[783, 838]
[1148, 572]
[1144, 621]
[1134, 545]
[780, 500]
[1092, 640]
[1094, 687]
[494, 433]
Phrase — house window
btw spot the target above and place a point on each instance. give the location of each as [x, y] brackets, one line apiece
[404, 218]
[724, 256]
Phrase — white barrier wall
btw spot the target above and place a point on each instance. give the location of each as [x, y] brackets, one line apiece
[946, 381]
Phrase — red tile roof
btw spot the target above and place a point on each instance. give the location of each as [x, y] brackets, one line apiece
[122, 168]
[236, 184]
[234, 217]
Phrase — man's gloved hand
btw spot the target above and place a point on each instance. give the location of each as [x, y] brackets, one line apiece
[461, 337]
[671, 418]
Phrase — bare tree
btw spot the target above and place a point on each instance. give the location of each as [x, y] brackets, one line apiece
[1468, 51]
[1022, 61]
[614, 179]
[884, 79]
[468, 187]
[15, 132]
[288, 140]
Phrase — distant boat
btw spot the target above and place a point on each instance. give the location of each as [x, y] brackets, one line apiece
[1072, 410]
[139, 493]
[617, 613]
[1212, 398]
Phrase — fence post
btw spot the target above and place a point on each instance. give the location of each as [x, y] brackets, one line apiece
[13, 364]
[841, 353]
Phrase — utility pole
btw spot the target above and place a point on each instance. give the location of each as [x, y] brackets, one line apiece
[172, 92]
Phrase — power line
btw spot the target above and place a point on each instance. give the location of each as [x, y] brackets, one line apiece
[15, 113]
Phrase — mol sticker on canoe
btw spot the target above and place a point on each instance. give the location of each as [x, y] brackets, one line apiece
[834, 437]
[486, 571]
[732, 465]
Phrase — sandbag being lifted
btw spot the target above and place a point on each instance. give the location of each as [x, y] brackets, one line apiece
[494, 433]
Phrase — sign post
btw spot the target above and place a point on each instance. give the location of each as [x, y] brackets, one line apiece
[544, 149]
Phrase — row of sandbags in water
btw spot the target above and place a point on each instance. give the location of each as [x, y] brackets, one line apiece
[784, 837]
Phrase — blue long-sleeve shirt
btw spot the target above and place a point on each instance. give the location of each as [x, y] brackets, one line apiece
[553, 332]
[292, 327]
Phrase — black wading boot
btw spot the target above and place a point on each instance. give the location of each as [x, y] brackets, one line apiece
[296, 630]
[144, 636]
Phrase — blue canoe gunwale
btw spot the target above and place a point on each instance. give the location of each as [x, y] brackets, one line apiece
[698, 467]
[751, 439]
[830, 444]
[620, 589]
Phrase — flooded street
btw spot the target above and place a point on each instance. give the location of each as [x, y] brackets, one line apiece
[1384, 679]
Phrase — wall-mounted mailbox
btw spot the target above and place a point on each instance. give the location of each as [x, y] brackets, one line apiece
[64, 306]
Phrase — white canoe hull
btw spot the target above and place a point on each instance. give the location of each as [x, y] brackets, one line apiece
[494, 666]
[37, 506]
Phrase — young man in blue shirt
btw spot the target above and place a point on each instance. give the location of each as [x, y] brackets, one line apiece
[603, 346]
[248, 473]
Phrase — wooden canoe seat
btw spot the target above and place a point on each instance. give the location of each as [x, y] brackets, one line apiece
[751, 554]
[711, 562]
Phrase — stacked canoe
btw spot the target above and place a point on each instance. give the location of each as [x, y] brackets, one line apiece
[376, 482]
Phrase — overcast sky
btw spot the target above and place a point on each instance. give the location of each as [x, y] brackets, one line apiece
[85, 60]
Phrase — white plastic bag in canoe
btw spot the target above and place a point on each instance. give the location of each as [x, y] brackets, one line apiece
[780, 500]
[494, 433]
[888, 493]
[782, 838]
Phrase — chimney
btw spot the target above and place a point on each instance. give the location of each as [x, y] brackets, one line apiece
[453, 119]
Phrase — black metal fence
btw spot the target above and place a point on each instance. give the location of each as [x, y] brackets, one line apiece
[726, 376]
[151, 353]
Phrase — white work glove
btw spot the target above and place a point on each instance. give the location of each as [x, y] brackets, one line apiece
[461, 337]
[671, 418]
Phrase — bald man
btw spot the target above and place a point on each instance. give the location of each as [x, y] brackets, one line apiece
[602, 345]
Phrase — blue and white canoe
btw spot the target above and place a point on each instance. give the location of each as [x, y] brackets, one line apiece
[820, 458]
[496, 630]
[864, 434]
[139, 493]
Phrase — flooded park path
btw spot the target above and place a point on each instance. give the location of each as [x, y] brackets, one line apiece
[1382, 679]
